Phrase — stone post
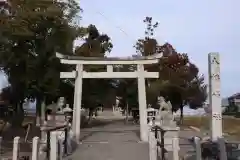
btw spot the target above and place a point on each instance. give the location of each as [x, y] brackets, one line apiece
[16, 149]
[53, 146]
[77, 102]
[142, 103]
[60, 149]
[222, 148]
[35, 148]
[152, 144]
[215, 95]
[198, 149]
[175, 148]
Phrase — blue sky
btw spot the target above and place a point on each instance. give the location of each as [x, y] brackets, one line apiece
[191, 26]
[194, 27]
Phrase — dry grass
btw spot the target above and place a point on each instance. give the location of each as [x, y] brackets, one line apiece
[231, 125]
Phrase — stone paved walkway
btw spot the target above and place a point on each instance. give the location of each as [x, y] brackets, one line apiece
[112, 140]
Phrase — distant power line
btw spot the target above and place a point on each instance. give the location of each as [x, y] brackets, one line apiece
[113, 23]
[118, 27]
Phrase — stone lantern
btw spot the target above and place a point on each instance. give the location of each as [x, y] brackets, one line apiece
[67, 111]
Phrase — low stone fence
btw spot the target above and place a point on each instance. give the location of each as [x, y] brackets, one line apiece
[54, 136]
[220, 149]
[164, 145]
[52, 149]
[163, 141]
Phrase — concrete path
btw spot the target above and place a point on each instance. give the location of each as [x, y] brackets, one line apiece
[112, 140]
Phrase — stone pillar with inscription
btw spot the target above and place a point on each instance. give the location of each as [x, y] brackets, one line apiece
[215, 95]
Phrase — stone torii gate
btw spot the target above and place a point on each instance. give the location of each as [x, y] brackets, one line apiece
[79, 74]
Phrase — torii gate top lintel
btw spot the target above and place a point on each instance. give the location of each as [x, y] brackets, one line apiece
[73, 59]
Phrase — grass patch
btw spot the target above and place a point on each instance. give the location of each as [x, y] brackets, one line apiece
[231, 125]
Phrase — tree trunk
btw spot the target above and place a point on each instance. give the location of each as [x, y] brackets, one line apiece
[90, 115]
[18, 115]
[39, 101]
[181, 114]
[127, 112]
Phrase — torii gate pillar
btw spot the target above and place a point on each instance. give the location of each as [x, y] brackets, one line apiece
[77, 106]
[142, 103]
